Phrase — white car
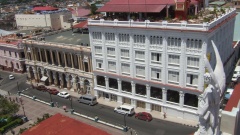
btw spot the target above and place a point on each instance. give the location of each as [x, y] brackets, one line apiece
[11, 77]
[63, 94]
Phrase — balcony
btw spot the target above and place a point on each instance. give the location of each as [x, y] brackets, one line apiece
[203, 21]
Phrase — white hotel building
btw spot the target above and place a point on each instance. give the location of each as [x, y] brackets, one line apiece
[158, 66]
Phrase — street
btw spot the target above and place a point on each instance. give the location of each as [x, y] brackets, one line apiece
[105, 113]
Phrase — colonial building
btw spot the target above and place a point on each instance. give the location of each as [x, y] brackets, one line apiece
[147, 55]
[44, 17]
[12, 57]
[62, 59]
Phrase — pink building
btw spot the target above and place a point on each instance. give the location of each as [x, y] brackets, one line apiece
[12, 56]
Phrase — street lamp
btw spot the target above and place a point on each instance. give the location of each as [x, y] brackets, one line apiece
[51, 103]
[125, 125]
[70, 99]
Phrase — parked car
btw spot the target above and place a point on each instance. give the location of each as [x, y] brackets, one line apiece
[144, 116]
[125, 109]
[41, 88]
[228, 93]
[236, 74]
[63, 94]
[53, 91]
[11, 77]
[88, 99]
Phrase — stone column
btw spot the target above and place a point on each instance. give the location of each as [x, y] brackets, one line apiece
[106, 82]
[46, 55]
[148, 91]
[52, 57]
[35, 75]
[28, 73]
[167, 8]
[95, 80]
[164, 95]
[49, 77]
[181, 99]
[79, 62]
[72, 60]
[74, 83]
[32, 55]
[133, 88]
[65, 60]
[196, 9]
[119, 85]
[68, 82]
[89, 65]
[59, 63]
[25, 53]
[40, 54]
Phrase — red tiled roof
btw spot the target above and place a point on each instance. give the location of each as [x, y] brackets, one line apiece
[44, 8]
[234, 99]
[63, 125]
[147, 2]
[70, 9]
[132, 8]
[81, 25]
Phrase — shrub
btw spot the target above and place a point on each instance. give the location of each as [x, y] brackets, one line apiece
[11, 124]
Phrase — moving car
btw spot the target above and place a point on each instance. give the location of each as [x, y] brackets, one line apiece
[143, 116]
[41, 88]
[53, 91]
[11, 77]
[88, 99]
[125, 109]
[63, 94]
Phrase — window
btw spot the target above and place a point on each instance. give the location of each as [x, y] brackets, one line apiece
[155, 40]
[192, 79]
[125, 68]
[112, 66]
[111, 51]
[139, 39]
[174, 42]
[16, 54]
[4, 52]
[10, 53]
[96, 35]
[98, 49]
[99, 63]
[173, 76]
[139, 55]
[124, 37]
[156, 57]
[194, 44]
[173, 59]
[124, 53]
[155, 74]
[193, 61]
[140, 71]
[110, 36]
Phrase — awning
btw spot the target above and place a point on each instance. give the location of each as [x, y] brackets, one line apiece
[132, 8]
[44, 78]
[81, 25]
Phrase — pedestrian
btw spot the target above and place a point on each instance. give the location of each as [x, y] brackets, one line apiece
[9, 93]
[164, 115]
[13, 132]
[56, 104]
[131, 131]
[10, 99]
[16, 99]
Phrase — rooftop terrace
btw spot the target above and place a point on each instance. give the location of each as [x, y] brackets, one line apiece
[203, 21]
[66, 37]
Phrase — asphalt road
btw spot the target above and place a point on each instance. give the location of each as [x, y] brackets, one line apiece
[155, 127]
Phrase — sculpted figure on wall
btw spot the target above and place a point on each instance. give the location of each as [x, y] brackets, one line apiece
[209, 103]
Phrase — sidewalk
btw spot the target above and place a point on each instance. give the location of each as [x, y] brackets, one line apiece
[155, 114]
[34, 110]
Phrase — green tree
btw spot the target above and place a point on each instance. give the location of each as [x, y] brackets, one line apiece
[7, 107]
[93, 9]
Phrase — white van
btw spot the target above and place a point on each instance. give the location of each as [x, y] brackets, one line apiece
[88, 99]
[125, 109]
[236, 74]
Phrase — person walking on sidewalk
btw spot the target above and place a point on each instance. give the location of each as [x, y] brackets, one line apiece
[56, 104]
[164, 115]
